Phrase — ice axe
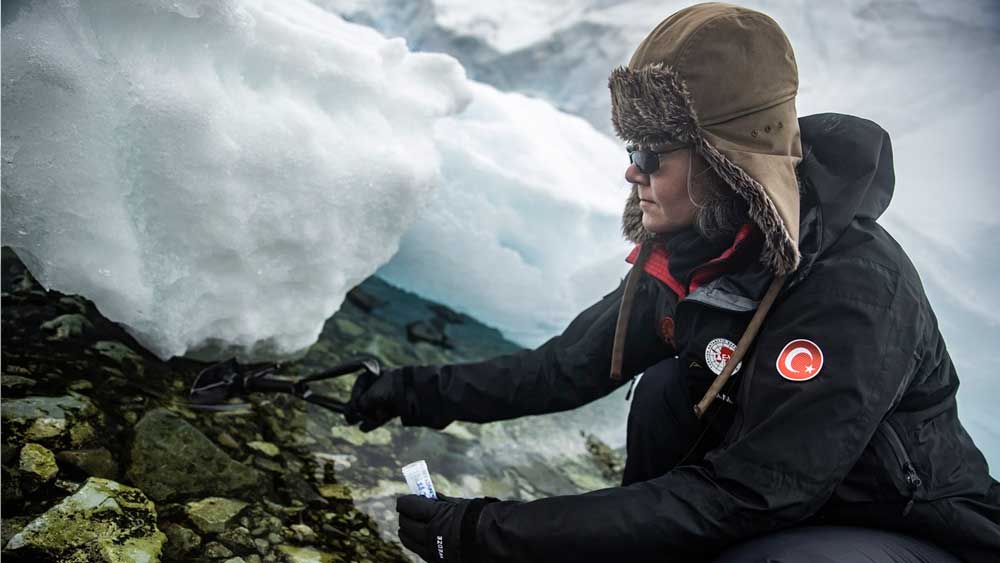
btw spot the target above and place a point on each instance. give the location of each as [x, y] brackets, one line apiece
[226, 380]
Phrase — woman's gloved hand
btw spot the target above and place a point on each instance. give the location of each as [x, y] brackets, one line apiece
[375, 399]
[442, 529]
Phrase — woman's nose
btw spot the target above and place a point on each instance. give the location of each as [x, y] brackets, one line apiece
[634, 176]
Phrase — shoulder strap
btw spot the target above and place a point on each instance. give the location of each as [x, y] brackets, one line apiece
[741, 348]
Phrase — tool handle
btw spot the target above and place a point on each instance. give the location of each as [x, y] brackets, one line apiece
[364, 363]
[266, 384]
[332, 404]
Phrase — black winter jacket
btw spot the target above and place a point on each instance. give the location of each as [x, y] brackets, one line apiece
[872, 439]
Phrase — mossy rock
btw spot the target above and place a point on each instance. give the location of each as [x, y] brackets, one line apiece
[54, 422]
[38, 463]
[104, 521]
[213, 514]
[295, 554]
[65, 327]
[172, 459]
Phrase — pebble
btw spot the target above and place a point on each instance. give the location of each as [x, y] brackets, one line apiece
[262, 545]
[215, 550]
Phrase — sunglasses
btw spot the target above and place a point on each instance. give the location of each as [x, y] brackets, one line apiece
[648, 160]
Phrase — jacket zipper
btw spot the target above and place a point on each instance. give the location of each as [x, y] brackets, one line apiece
[909, 471]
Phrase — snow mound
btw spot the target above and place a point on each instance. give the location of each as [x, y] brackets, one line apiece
[214, 175]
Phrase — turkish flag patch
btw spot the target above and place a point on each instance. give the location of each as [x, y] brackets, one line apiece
[800, 360]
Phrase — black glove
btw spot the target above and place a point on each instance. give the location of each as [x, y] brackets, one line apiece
[442, 529]
[375, 399]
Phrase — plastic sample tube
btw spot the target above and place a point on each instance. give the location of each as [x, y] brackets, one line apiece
[419, 479]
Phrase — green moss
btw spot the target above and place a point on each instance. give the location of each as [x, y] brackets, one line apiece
[351, 434]
[308, 555]
[65, 327]
[213, 514]
[38, 462]
[104, 518]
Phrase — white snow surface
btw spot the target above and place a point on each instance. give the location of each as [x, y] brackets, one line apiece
[214, 175]
[524, 230]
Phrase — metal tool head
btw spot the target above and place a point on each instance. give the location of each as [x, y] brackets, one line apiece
[224, 380]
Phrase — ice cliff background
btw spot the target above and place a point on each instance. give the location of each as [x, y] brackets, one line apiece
[217, 175]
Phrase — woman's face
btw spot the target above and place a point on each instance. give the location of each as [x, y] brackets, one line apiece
[663, 195]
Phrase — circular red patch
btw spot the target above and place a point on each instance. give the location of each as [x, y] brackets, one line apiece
[800, 360]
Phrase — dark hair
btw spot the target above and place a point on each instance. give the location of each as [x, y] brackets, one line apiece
[720, 211]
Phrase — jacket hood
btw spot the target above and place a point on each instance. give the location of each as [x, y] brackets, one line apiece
[847, 174]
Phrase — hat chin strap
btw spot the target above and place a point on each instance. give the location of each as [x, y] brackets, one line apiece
[625, 311]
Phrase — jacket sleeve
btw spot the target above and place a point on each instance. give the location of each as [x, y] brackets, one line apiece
[567, 371]
[792, 443]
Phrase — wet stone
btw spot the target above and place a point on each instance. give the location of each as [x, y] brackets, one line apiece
[268, 465]
[118, 352]
[9, 526]
[37, 463]
[81, 385]
[69, 487]
[362, 299]
[238, 539]
[74, 302]
[65, 327]
[213, 515]
[215, 550]
[50, 421]
[423, 331]
[303, 533]
[446, 313]
[348, 328]
[104, 521]
[335, 491]
[171, 458]
[266, 448]
[16, 384]
[96, 462]
[225, 439]
[298, 489]
[10, 483]
[294, 554]
[608, 460]
[354, 436]
[181, 541]
[262, 545]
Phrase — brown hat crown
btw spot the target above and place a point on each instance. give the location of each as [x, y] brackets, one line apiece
[723, 79]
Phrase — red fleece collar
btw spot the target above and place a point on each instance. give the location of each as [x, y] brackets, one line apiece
[731, 259]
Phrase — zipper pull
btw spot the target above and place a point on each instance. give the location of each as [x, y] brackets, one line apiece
[912, 478]
[629, 392]
[914, 481]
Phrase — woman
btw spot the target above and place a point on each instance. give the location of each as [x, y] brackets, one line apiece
[795, 377]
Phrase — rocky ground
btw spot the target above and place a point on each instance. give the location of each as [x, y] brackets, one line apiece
[104, 458]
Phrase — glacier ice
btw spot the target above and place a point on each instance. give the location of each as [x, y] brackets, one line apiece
[214, 175]
[524, 231]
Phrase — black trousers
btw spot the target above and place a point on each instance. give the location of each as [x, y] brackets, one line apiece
[662, 430]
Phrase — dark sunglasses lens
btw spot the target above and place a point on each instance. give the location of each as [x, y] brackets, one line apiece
[646, 161]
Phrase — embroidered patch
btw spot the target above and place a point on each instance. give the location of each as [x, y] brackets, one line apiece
[800, 360]
[717, 354]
